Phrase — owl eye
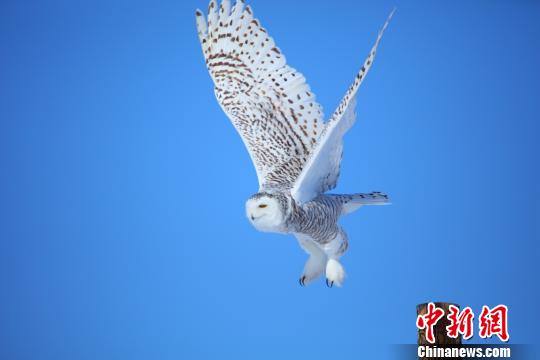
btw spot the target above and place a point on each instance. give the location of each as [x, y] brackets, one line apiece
[262, 206]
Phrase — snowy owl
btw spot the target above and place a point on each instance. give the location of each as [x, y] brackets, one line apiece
[296, 153]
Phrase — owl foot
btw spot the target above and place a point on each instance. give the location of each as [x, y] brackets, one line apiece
[335, 274]
[313, 269]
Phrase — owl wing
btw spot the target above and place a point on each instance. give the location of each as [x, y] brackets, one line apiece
[321, 171]
[268, 102]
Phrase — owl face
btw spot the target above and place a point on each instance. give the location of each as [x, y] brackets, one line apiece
[265, 212]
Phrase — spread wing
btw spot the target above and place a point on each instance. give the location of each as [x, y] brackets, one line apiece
[321, 171]
[268, 102]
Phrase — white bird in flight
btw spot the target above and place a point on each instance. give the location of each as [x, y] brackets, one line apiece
[296, 153]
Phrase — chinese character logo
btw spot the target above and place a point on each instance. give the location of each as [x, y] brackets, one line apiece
[494, 322]
[460, 323]
[429, 320]
[491, 322]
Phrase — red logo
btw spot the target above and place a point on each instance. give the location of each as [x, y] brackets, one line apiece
[494, 322]
[491, 322]
[460, 322]
[429, 320]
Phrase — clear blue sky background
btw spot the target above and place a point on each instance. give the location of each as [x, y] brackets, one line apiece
[123, 184]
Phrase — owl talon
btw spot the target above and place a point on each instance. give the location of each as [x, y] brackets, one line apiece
[302, 281]
[335, 274]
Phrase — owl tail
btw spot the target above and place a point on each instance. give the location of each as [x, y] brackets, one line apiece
[354, 201]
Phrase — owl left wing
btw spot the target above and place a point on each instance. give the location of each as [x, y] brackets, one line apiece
[268, 102]
[321, 171]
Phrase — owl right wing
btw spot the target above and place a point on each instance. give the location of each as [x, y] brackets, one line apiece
[322, 169]
[268, 102]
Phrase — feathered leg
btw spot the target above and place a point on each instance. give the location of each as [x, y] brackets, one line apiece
[316, 263]
[335, 273]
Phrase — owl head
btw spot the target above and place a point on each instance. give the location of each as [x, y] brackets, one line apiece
[268, 212]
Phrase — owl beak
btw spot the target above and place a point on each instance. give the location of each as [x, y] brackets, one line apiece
[252, 217]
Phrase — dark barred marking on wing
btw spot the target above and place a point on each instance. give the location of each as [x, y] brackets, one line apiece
[268, 102]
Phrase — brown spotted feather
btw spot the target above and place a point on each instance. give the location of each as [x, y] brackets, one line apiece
[268, 102]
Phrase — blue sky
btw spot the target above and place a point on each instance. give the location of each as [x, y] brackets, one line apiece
[123, 184]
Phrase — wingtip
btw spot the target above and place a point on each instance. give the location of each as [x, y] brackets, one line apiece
[381, 31]
[212, 6]
[390, 16]
[198, 12]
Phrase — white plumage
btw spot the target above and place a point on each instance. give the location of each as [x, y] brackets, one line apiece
[296, 154]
